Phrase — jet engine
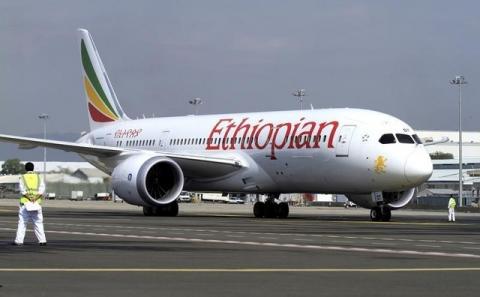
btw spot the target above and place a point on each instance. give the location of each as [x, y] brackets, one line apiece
[148, 180]
[394, 200]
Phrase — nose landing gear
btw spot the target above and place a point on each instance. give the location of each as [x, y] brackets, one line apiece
[381, 213]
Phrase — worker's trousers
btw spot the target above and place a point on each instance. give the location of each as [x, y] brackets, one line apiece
[37, 218]
[451, 214]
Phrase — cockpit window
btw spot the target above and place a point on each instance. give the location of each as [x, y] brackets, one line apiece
[387, 138]
[405, 138]
[417, 139]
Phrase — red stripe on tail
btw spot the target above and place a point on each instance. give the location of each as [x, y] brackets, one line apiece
[97, 116]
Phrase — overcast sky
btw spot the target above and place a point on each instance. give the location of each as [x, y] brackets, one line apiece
[238, 56]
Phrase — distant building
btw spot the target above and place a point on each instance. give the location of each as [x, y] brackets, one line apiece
[445, 177]
[55, 166]
[9, 184]
[91, 175]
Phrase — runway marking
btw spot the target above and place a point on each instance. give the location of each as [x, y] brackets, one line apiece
[384, 243]
[471, 248]
[269, 244]
[243, 270]
[302, 239]
[8, 210]
[204, 234]
[342, 242]
[400, 223]
[427, 245]
[169, 230]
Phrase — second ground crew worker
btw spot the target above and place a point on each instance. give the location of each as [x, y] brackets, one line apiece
[32, 188]
[452, 203]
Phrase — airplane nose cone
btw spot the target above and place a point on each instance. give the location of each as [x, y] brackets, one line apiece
[418, 167]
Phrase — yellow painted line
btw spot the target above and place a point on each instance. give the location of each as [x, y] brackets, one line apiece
[8, 210]
[242, 270]
[401, 223]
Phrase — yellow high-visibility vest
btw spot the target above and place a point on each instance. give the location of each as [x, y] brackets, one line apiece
[31, 180]
[452, 203]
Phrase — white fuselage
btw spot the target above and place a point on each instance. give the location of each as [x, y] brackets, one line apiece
[329, 150]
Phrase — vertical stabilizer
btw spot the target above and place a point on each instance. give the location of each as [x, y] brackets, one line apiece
[102, 104]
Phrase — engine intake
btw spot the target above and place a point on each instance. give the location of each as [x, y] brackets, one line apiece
[394, 200]
[148, 180]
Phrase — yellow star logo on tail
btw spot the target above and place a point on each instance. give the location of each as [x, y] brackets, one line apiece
[380, 164]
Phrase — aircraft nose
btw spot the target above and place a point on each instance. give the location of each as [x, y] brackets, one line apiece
[418, 167]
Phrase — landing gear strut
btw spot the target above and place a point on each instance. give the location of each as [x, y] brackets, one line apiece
[381, 213]
[270, 208]
[167, 210]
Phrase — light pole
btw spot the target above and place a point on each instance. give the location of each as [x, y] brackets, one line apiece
[44, 117]
[459, 81]
[300, 93]
[195, 102]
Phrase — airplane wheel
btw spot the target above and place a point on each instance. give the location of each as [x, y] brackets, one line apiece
[386, 215]
[172, 209]
[283, 210]
[375, 214]
[271, 209]
[259, 209]
[159, 211]
[167, 210]
[147, 211]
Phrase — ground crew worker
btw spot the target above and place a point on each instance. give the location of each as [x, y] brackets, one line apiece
[32, 188]
[452, 203]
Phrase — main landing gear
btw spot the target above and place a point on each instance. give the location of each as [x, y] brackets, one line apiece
[270, 208]
[167, 210]
[381, 213]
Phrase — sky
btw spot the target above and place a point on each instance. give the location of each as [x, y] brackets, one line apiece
[395, 57]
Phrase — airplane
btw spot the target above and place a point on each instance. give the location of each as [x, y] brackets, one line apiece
[375, 159]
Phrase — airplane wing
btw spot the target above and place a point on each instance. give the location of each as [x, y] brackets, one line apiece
[430, 141]
[192, 165]
[80, 148]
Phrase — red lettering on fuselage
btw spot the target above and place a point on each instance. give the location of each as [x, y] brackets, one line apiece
[299, 135]
[211, 144]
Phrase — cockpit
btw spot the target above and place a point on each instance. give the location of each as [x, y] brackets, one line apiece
[390, 138]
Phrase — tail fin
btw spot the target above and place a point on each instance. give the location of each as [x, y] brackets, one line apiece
[102, 103]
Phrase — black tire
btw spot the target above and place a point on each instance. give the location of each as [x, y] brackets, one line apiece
[375, 214]
[172, 209]
[147, 211]
[386, 215]
[271, 209]
[159, 211]
[283, 210]
[259, 209]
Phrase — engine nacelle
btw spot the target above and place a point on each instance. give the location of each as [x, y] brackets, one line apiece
[148, 180]
[394, 200]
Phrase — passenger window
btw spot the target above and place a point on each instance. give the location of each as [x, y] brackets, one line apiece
[404, 138]
[417, 139]
[387, 138]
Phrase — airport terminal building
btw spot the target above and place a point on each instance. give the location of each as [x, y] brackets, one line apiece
[445, 178]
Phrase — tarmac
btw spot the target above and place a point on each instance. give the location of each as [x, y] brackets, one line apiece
[111, 249]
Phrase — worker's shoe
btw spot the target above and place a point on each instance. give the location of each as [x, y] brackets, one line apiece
[16, 243]
[42, 243]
